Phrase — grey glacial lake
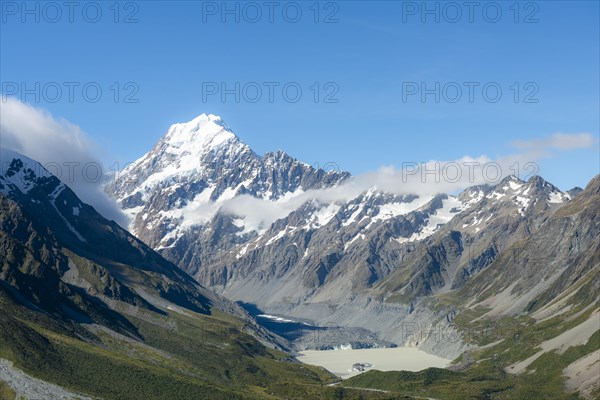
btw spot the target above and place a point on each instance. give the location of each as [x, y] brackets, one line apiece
[340, 362]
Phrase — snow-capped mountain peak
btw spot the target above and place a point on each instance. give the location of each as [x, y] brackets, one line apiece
[197, 150]
[201, 134]
[200, 164]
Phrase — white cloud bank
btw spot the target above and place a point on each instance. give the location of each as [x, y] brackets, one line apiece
[62, 147]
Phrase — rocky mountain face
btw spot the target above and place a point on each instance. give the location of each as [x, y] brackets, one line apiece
[557, 265]
[499, 217]
[61, 256]
[371, 262]
[68, 241]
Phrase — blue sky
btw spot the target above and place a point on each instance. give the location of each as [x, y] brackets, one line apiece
[369, 53]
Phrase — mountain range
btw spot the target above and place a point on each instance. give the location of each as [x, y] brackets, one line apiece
[502, 278]
[369, 261]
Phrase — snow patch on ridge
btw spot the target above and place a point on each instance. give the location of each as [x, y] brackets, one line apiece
[391, 210]
[324, 215]
[450, 207]
[557, 198]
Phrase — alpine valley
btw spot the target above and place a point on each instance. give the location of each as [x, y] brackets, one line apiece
[233, 262]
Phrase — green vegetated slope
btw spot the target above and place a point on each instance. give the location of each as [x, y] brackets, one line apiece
[177, 357]
[198, 357]
[563, 259]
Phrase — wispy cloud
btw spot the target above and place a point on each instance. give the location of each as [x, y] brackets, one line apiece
[558, 141]
[424, 179]
[62, 147]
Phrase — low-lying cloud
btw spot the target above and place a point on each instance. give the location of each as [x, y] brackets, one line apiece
[423, 179]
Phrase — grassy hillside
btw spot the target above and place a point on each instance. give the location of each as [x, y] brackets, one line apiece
[193, 356]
